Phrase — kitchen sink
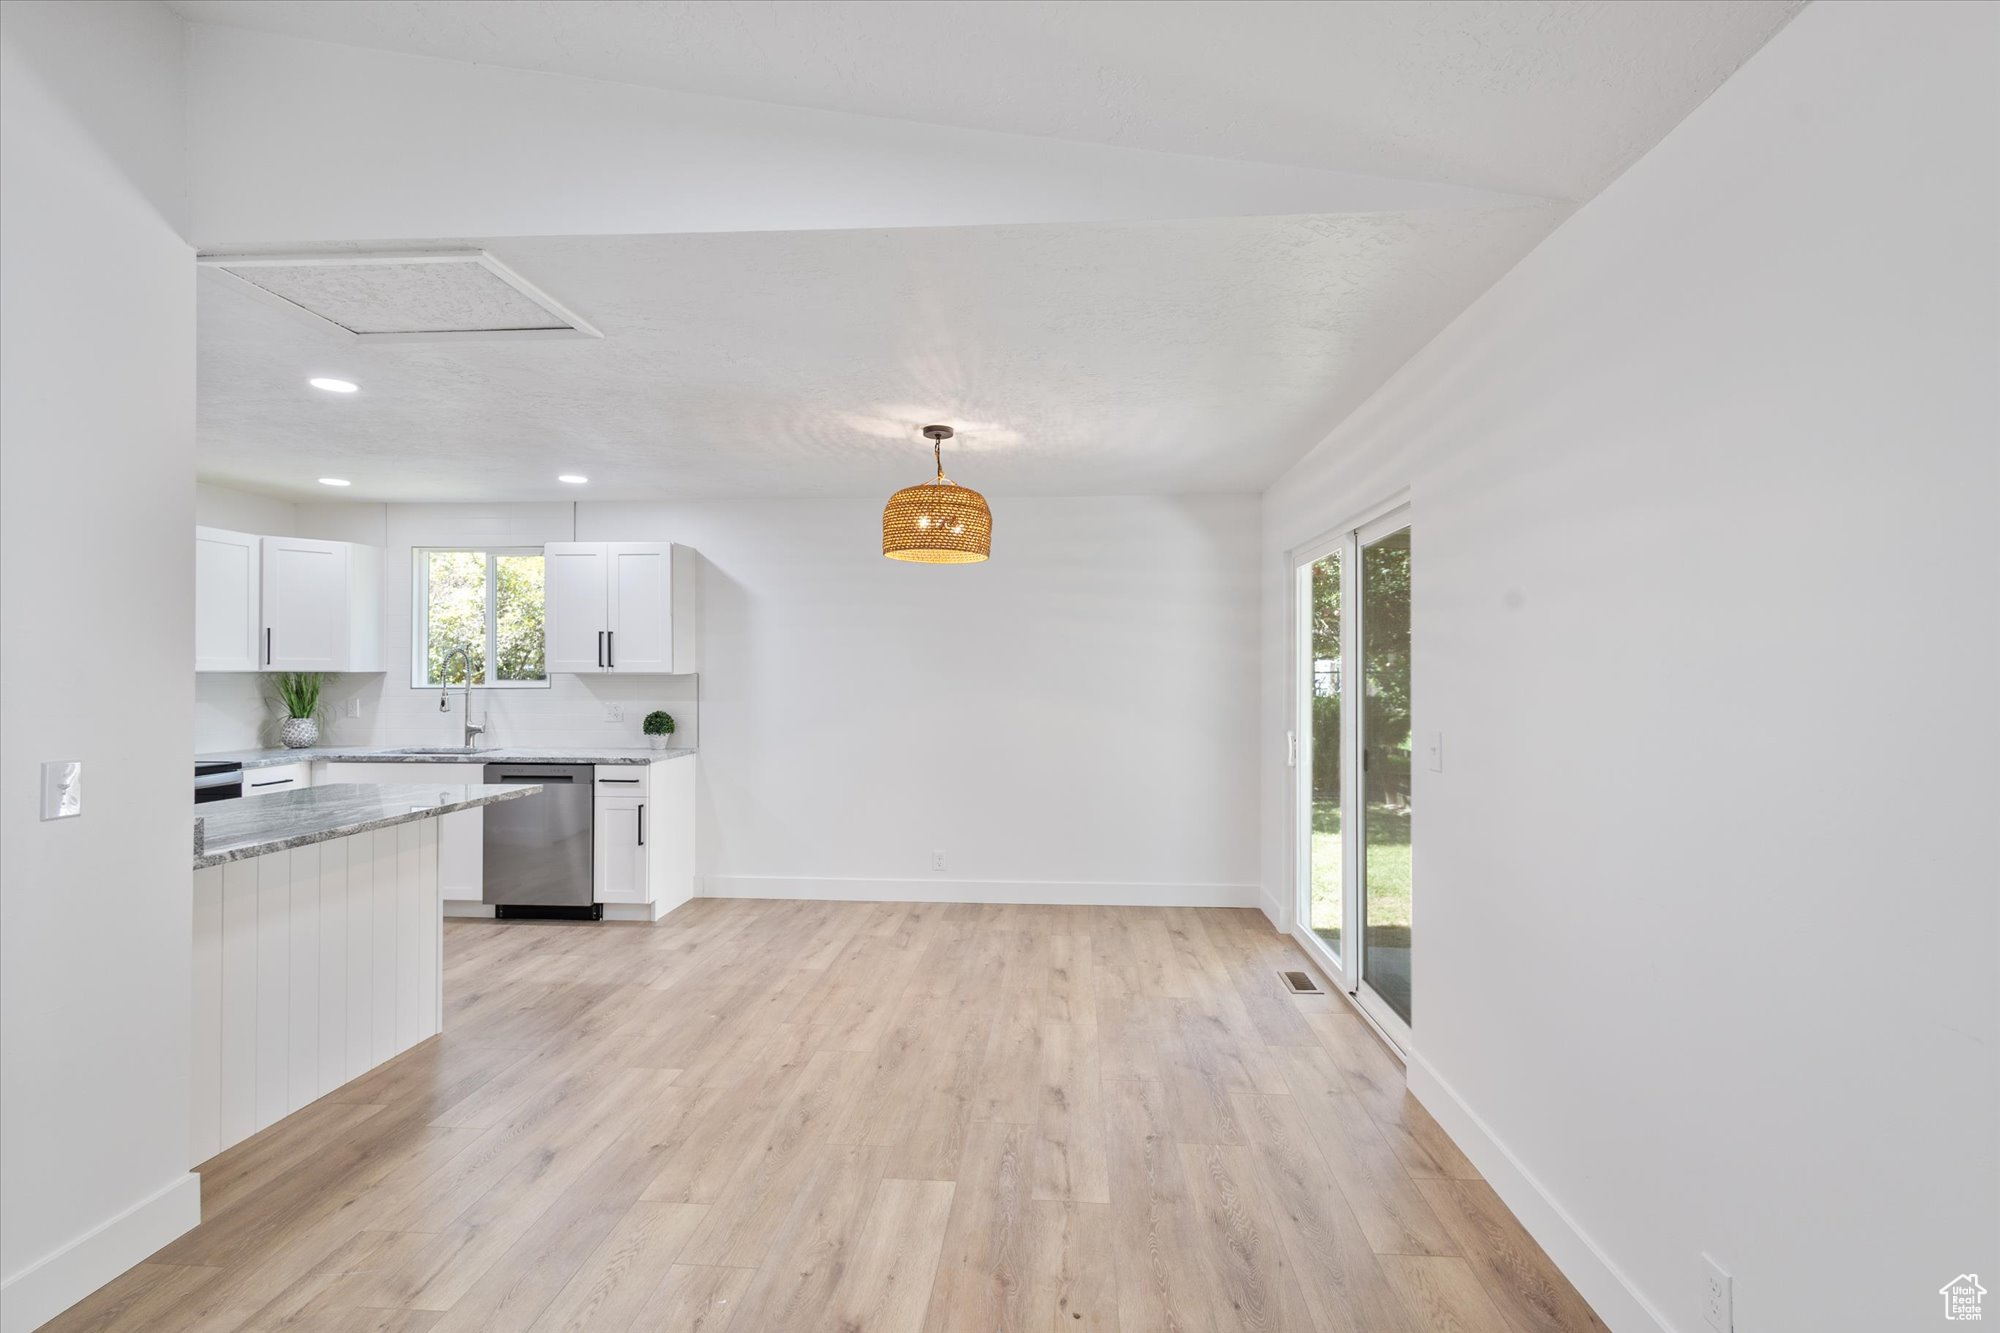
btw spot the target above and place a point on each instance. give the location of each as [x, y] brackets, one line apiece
[446, 749]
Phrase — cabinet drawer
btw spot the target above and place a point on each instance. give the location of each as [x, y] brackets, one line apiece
[278, 777]
[623, 780]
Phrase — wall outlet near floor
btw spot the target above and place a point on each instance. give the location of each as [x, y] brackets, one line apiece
[1715, 1296]
[614, 712]
[937, 860]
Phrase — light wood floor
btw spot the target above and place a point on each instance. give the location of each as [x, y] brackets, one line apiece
[868, 1117]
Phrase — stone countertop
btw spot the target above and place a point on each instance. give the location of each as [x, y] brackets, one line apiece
[254, 825]
[506, 754]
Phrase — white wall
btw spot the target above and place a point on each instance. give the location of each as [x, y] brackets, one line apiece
[1070, 722]
[96, 607]
[239, 511]
[1705, 501]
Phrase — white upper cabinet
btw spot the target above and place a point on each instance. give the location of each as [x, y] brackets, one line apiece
[620, 607]
[228, 625]
[641, 633]
[322, 606]
[576, 605]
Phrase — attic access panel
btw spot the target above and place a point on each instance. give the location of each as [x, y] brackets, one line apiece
[418, 297]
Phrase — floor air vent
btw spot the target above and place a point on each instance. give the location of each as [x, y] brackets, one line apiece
[1301, 983]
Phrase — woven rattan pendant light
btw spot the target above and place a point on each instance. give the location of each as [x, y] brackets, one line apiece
[938, 522]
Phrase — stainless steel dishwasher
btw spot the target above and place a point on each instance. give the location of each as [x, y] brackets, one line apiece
[538, 848]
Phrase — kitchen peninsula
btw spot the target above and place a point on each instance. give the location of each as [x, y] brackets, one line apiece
[316, 943]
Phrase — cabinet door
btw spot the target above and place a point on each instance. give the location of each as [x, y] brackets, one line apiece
[642, 608]
[619, 854]
[305, 604]
[575, 606]
[227, 621]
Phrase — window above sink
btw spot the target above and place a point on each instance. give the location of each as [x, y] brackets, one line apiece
[488, 601]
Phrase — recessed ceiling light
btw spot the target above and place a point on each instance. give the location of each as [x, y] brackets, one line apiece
[335, 481]
[333, 386]
[573, 478]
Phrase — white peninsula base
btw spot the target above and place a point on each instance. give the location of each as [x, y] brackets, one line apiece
[311, 966]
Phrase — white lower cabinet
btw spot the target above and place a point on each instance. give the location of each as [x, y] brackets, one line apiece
[644, 853]
[619, 853]
[461, 834]
[278, 777]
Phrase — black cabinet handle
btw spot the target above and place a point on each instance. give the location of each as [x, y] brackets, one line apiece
[611, 649]
[642, 823]
[600, 649]
[267, 645]
[275, 782]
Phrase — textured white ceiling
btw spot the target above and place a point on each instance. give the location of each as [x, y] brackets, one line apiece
[1085, 359]
[1114, 357]
[1543, 97]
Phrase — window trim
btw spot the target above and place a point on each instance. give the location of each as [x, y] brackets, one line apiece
[420, 620]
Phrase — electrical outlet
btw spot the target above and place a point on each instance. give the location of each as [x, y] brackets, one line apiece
[1715, 1296]
[937, 860]
[614, 712]
[354, 706]
[1434, 750]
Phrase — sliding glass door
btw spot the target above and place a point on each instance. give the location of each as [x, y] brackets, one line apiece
[1356, 889]
[1324, 910]
[1385, 885]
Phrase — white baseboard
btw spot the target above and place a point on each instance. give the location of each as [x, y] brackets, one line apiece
[53, 1283]
[1274, 912]
[460, 907]
[1598, 1280]
[1086, 893]
[634, 911]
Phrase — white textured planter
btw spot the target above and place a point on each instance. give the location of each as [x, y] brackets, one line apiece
[658, 742]
[299, 733]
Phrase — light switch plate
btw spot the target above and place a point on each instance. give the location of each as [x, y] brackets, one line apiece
[354, 706]
[62, 788]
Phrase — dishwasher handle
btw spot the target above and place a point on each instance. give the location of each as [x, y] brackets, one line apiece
[543, 778]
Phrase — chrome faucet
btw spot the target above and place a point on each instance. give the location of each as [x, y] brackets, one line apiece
[463, 653]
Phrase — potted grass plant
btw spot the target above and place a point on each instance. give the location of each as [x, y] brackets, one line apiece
[658, 726]
[302, 694]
